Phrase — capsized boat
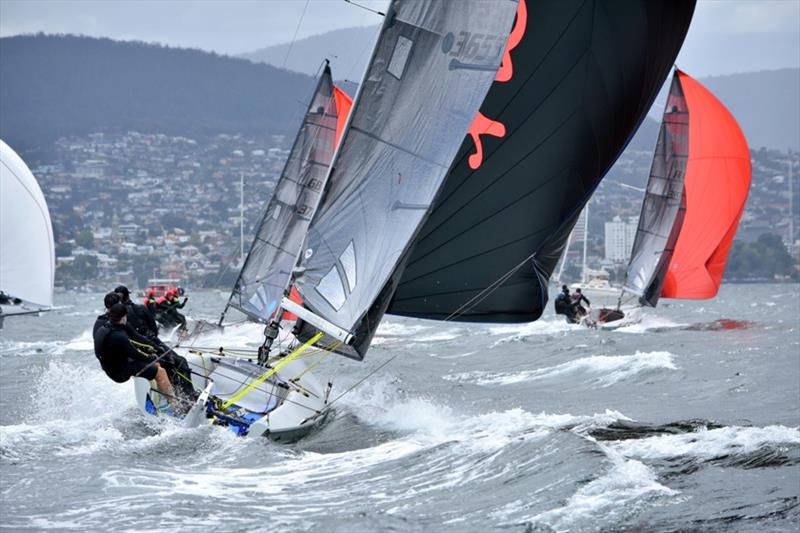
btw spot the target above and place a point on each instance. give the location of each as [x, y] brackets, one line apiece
[27, 252]
[698, 186]
[335, 229]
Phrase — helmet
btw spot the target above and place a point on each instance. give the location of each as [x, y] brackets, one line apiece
[151, 293]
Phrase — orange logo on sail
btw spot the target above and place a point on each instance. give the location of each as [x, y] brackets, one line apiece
[483, 125]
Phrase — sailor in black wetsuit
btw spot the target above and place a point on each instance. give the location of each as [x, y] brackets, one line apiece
[120, 359]
[139, 317]
[577, 299]
[177, 367]
[563, 305]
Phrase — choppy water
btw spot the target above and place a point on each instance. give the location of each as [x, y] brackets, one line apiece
[688, 421]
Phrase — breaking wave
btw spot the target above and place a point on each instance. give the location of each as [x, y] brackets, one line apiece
[602, 370]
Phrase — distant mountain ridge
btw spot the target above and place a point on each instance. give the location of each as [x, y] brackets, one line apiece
[51, 86]
[347, 49]
[765, 103]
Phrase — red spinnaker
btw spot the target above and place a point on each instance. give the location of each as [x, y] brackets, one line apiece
[716, 184]
[343, 105]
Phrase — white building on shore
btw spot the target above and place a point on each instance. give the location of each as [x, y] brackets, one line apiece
[620, 235]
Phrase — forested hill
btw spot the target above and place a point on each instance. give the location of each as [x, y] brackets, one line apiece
[52, 86]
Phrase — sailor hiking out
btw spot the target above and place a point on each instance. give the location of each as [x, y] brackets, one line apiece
[138, 348]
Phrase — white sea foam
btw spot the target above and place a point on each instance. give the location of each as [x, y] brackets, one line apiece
[398, 329]
[611, 493]
[604, 370]
[519, 332]
[708, 444]
[82, 342]
[650, 322]
[74, 408]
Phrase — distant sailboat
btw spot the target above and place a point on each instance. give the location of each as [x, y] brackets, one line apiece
[698, 186]
[593, 283]
[27, 253]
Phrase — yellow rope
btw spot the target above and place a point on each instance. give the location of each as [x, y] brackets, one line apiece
[266, 375]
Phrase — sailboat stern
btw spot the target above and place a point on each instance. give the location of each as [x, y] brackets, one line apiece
[283, 407]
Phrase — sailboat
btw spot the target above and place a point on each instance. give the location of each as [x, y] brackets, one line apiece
[698, 186]
[593, 283]
[27, 253]
[339, 222]
[471, 147]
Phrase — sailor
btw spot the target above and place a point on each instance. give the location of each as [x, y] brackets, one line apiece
[120, 359]
[577, 298]
[139, 317]
[177, 367]
[150, 301]
[563, 304]
[172, 306]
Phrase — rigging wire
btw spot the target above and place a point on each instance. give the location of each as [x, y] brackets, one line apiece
[381, 13]
[294, 38]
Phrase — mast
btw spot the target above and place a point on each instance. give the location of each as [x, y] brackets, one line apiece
[791, 205]
[564, 259]
[585, 238]
[241, 217]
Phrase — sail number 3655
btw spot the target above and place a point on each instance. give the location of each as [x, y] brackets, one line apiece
[477, 46]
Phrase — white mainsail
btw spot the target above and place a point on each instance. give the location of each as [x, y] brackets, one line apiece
[27, 253]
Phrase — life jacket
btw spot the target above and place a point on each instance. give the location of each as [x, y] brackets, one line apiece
[563, 304]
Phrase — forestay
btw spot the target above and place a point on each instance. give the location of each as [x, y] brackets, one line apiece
[664, 204]
[267, 270]
[27, 253]
[430, 71]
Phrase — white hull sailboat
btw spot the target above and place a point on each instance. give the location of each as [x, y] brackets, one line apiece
[27, 251]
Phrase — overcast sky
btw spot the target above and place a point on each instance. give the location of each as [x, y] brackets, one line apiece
[726, 35]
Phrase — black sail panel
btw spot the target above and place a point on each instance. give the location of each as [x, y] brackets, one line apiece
[664, 203]
[282, 230]
[584, 74]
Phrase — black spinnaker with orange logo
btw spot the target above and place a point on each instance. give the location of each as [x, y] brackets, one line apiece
[577, 80]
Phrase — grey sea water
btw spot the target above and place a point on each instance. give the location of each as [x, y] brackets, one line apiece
[687, 421]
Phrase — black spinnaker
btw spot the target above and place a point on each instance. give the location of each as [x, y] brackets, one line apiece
[576, 82]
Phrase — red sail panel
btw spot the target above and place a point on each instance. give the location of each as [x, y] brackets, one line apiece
[343, 105]
[716, 185]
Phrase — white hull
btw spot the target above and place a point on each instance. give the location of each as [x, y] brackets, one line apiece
[278, 408]
[633, 315]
